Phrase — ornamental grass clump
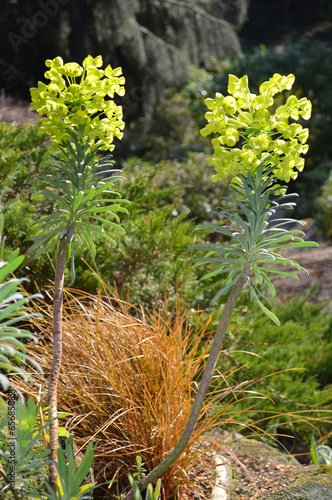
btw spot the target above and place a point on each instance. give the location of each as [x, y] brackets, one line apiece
[129, 380]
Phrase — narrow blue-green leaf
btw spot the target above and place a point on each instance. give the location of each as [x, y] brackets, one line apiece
[220, 271]
[214, 228]
[299, 245]
[258, 276]
[110, 223]
[223, 291]
[206, 260]
[268, 282]
[7, 311]
[98, 230]
[207, 246]
[78, 200]
[43, 249]
[61, 466]
[272, 242]
[90, 242]
[282, 260]
[107, 208]
[90, 212]
[243, 241]
[268, 313]
[71, 232]
[283, 273]
[85, 465]
[213, 247]
[46, 222]
[72, 266]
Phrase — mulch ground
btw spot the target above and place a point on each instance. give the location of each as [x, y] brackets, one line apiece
[254, 477]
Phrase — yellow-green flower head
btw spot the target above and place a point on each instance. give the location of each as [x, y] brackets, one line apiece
[247, 132]
[79, 95]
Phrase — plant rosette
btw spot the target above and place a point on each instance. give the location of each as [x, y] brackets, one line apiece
[77, 97]
[247, 121]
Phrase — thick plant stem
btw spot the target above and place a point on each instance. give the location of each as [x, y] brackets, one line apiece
[202, 389]
[57, 355]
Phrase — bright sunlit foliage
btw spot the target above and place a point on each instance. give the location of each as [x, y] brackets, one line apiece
[249, 134]
[77, 96]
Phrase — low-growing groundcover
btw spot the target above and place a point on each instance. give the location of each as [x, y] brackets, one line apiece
[290, 364]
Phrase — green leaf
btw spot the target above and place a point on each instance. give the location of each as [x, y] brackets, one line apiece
[71, 232]
[284, 273]
[223, 291]
[313, 451]
[9, 267]
[89, 241]
[85, 464]
[221, 271]
[109, 223]
[268, 313]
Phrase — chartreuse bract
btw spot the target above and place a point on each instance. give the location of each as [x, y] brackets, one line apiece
[82, 119]
[249, 131]
[80, 95]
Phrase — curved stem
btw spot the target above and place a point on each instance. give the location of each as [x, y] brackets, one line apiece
[57, 355]
[202, 389]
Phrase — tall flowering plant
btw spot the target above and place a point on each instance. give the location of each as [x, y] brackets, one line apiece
[82, 119]
[259, 148]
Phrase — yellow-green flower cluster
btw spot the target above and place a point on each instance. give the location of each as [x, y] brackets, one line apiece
[244, 120]
[77, 97]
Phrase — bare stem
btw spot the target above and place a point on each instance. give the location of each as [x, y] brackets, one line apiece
[201, 392]
[57, 355]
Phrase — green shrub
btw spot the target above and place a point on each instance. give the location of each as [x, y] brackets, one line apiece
[189, 185]
[154, 252]
[291, 362]
[20, 156]
[311, 63]
[323, 215]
